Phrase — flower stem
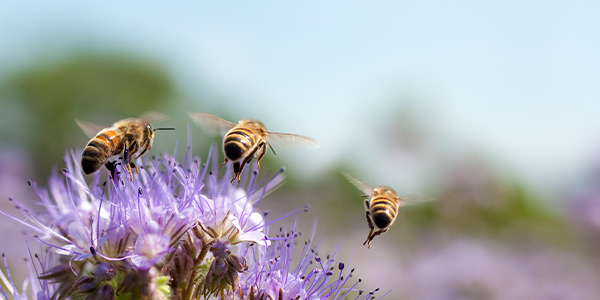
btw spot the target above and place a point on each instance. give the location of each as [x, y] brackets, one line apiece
[192, 286]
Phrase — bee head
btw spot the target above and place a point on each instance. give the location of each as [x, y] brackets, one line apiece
[148, 133]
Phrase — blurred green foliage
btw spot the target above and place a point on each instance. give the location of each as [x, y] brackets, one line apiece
[42, 101]
[516, 216]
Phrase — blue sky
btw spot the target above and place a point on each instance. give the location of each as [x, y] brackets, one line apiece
[515, 79]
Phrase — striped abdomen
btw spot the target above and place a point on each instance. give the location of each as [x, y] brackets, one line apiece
[383, 211]
[239, 142]
[96, 153]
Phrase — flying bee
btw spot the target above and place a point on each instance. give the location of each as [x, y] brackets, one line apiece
[247, 139]
[124, 138]
[381, 206]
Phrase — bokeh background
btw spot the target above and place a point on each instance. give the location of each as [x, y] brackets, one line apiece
[490, 108]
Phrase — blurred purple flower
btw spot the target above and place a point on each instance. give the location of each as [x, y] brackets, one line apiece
[585, 208]
[32, 286]
[467, 269]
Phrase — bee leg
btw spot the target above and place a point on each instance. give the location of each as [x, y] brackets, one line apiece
[144, 147]
[125, 153]
[261, 152]
[238, 167]
[111, 166]
[128, 168]
[369, 238]
[371, 226]
[378, 232]
[132, 165]
[237, 171]
[127, 162]
[224, 163]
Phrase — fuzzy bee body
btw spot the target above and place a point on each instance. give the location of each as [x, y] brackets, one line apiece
[247, 139]
[238, 142]
[99, 149]
[381, 206]
[381, 210]
[243, 142]
[125, 138]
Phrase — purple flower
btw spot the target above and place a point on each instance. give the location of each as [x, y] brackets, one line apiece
[177, 231]
[32, 286]
[273, 275]
[137, 226]
[150, 249]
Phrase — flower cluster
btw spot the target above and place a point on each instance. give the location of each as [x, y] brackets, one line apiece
[177, 231]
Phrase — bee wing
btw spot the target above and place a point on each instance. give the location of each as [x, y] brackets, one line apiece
[90, 129]
[153, 116]
[279, 140]
[211, 124]
[365, 188]
[413, 198]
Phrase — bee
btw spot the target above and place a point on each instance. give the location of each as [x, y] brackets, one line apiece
[247, 139]
[124, 138]
[381, 206]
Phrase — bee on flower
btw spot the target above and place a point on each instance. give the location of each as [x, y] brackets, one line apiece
[177, 231]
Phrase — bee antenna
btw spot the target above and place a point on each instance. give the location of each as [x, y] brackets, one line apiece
[272, 149]
[164, 128]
